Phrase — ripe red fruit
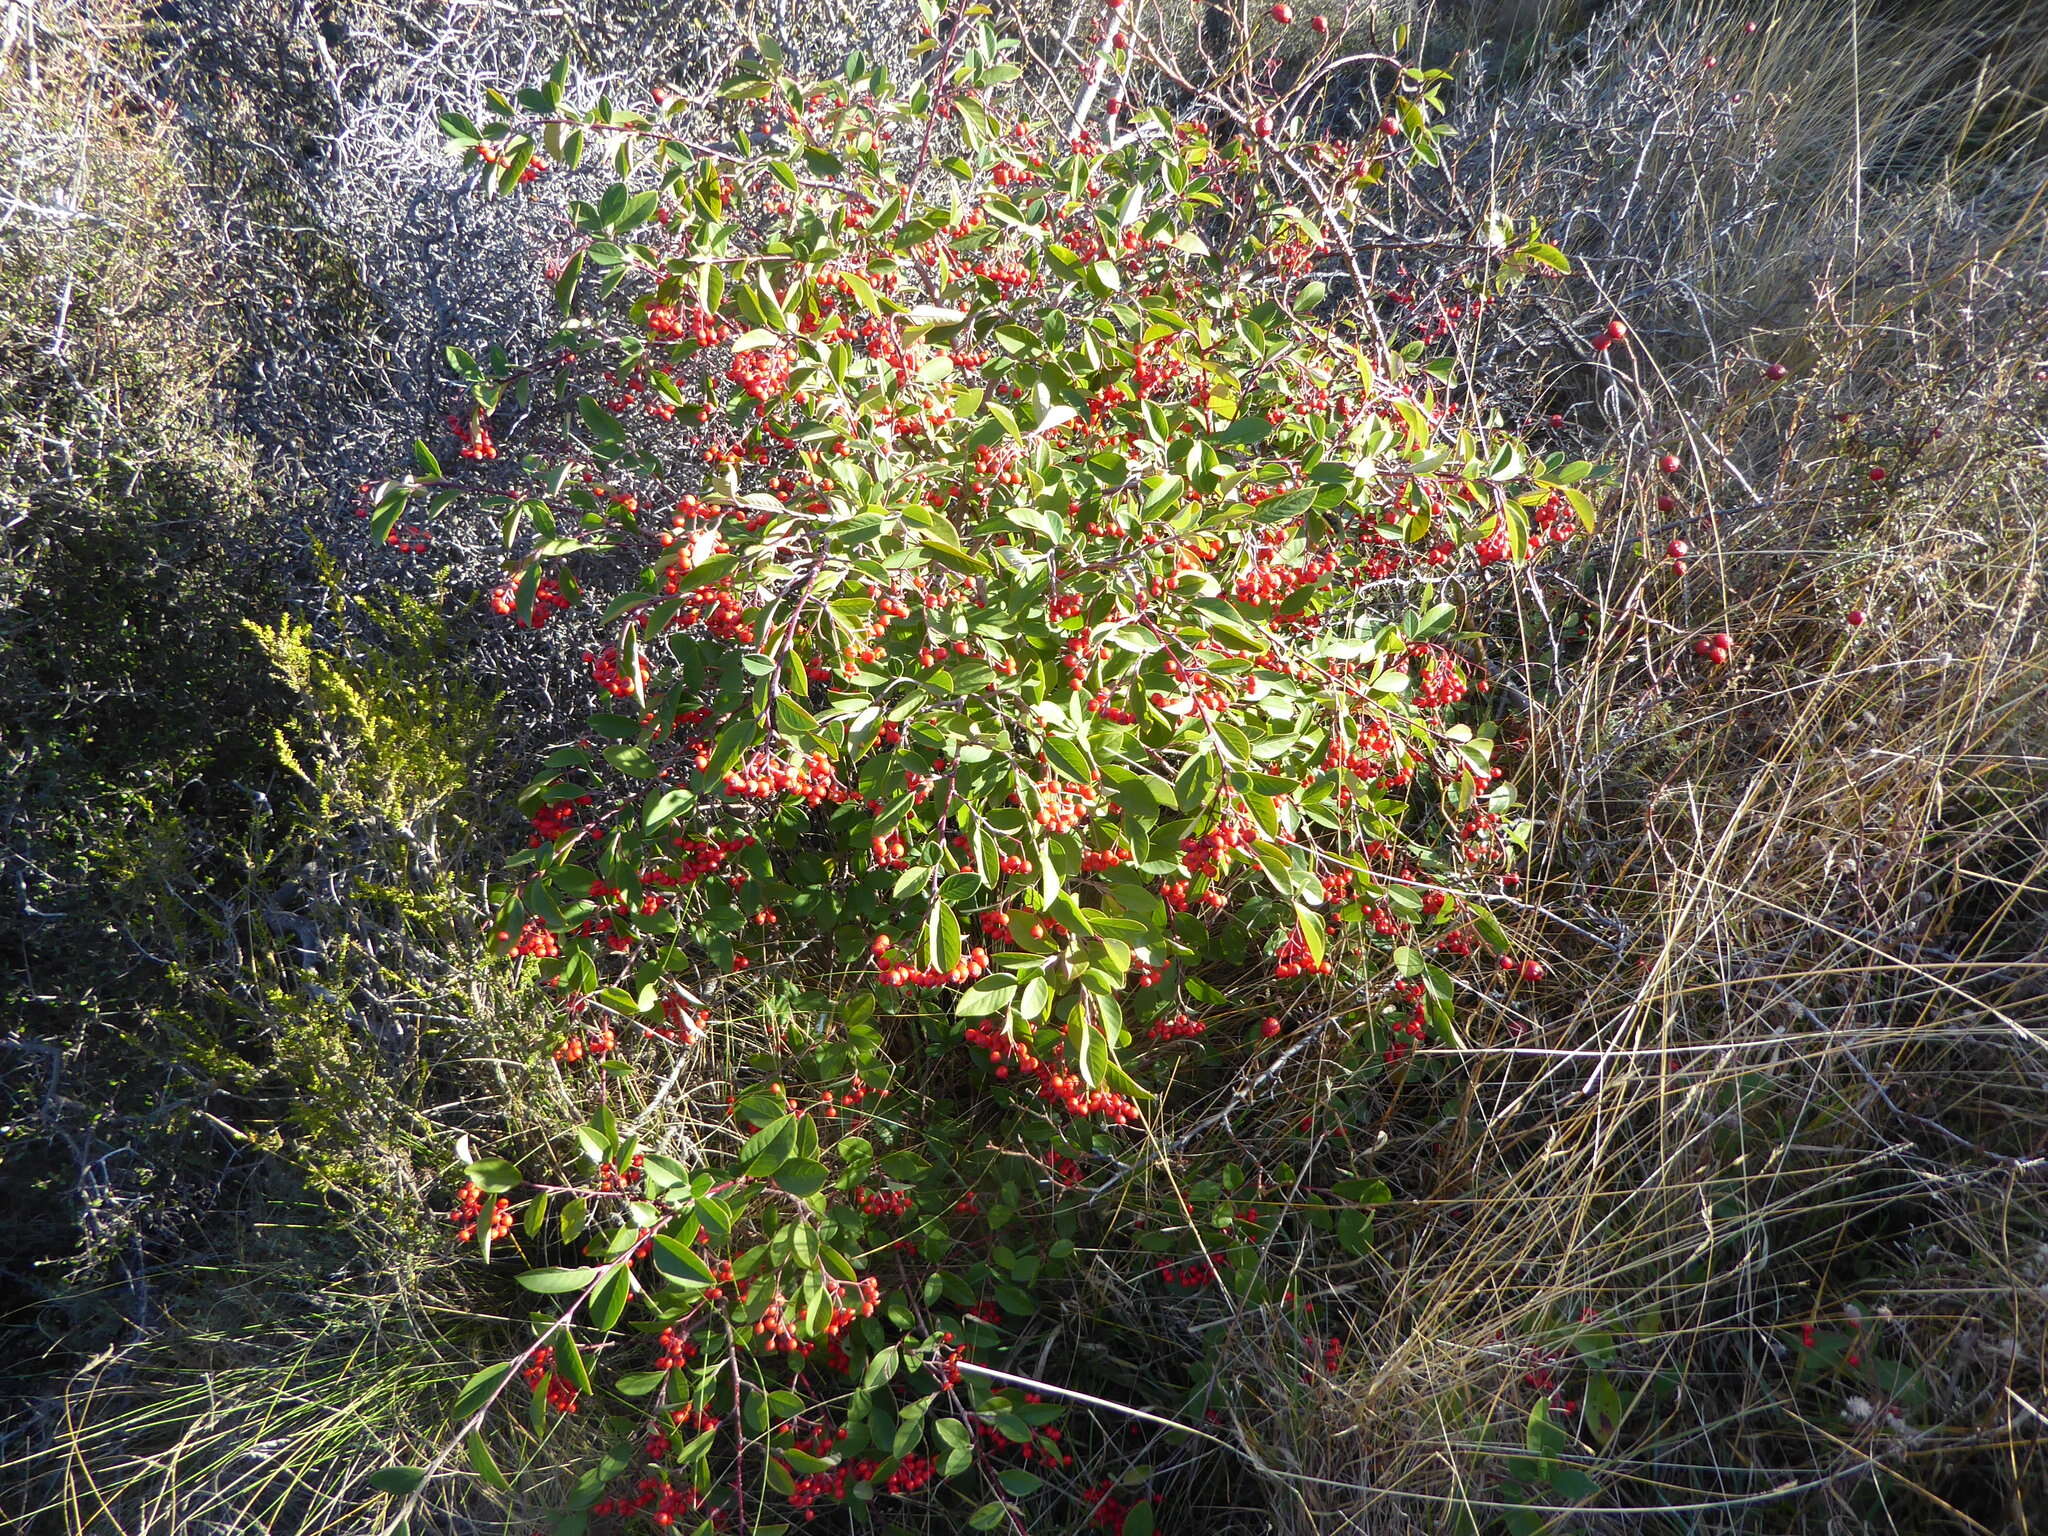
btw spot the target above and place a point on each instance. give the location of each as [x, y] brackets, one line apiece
[1320, 25]
[1390, 126]
[1556, 422]
[1670, 464]
[1666, 501]
[1718, 655]
[1856, 616]
[1264, 126]
[1283, 14]
[1678, 549]
[1616, 331]
[1723, 640]
[1776, 372]
[1877, 477]
[1270, 1028]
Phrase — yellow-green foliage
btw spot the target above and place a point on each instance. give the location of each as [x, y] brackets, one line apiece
[390, 731]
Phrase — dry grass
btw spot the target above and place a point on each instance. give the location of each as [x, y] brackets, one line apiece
[1788, 1069]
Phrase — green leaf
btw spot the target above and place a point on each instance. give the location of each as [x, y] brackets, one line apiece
[609, 1299]
[390, 505]
[633, 760]
[1096, 1061]
[1070, 759]
[569, 1361]
[478, 1389]
[679, 1265]
[882, 1367]
[955, 1459]
[942, 937]
[554, 1282]
[481, 1462]
[1490, 931]
[565, 285]
[1544, 1436]
[1034, 998]
[1197, 780]
[599, 422]
[1310, 922]
[794, 719]
[769, 1148]
[664, 808]
[732, 743]
[494, 1176]
[989, 995]
[398, 1481]
[801, 1176]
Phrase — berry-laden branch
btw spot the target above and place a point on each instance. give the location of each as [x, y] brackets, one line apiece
[1031, 692]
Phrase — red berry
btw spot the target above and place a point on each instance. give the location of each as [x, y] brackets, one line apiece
[1670, 464]
[1556, 422]
[1877, 476]
[1269, 1028]
[1666, 501]
[1616, 331]
[1320, 25]
[1678, 549]
[1283, 14]
[1776, 372]
[1263, 127]
[1856, 616]
[1391, 126]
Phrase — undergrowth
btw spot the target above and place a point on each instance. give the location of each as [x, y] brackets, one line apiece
[1726, 1218]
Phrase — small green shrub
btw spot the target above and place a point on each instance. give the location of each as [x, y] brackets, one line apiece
[1034, 691]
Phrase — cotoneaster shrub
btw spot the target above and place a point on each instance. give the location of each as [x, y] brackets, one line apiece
[1033, 687]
